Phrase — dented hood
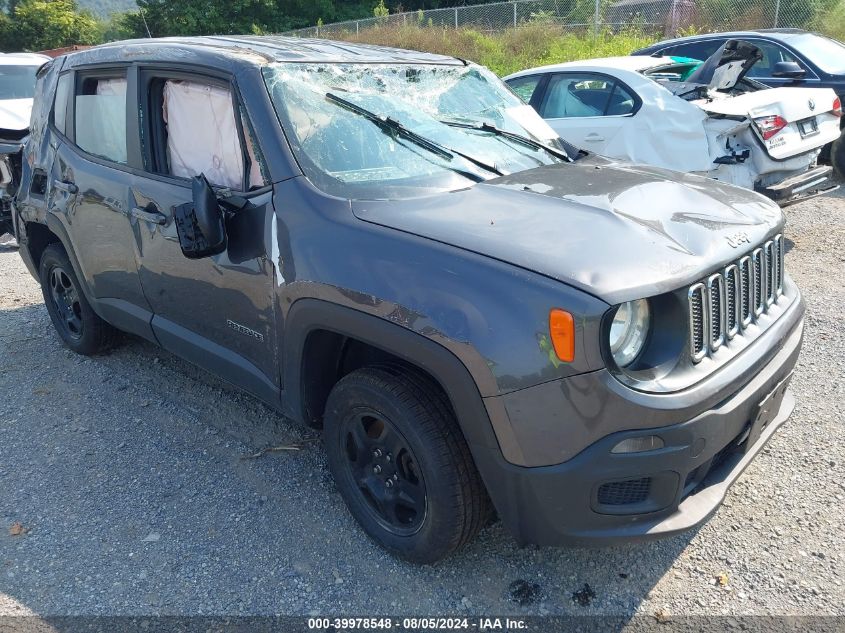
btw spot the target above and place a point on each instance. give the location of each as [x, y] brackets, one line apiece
[727, 66]
[616, 231]
[14, 115]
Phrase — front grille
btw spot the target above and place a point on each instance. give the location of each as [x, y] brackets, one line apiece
[729, 301]
[623, 493]
[733, 294]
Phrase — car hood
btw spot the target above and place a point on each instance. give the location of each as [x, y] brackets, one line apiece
[14, 116]
[727, 66]
[617, 231]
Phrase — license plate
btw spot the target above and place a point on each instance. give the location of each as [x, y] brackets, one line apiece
[808, 127]
[766, 412]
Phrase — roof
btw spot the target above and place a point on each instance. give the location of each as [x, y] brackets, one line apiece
[269, 48]
[775, 34]
[22, 59]
[633, 64]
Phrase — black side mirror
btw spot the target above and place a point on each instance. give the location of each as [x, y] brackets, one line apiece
[200, 223]
[789, 70]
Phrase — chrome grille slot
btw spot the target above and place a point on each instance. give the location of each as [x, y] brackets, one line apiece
[759, 282]
[746, 279]
[698, 321]
[779, 256]
[733, 301]
[771, 271]
[724, 305]
[716, 294]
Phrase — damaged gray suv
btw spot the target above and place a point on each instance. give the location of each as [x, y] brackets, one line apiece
[389, 246]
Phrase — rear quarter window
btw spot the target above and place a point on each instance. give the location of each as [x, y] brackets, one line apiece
[100, 117]
[64, 89]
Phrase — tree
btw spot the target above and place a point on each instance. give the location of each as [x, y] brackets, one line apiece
[200, 17]
[45, 24]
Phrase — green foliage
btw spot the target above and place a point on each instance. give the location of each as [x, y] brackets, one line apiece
[105, 9]
[200, 17]
[531, 44]
[543, 17]
[45, 24]
[381, 11]
[831, 22]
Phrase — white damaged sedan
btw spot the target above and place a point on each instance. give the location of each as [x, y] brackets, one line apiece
[706, 117]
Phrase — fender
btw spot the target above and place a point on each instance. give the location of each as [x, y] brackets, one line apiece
[307, 315]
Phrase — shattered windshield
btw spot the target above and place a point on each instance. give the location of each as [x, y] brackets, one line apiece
[396, 131]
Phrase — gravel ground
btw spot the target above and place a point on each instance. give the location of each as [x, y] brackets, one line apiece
[129, 477]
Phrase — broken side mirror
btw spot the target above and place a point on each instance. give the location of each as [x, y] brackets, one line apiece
[788, 70]
[200, 223]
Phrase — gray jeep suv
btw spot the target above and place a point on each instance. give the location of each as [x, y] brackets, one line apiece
[389, 246]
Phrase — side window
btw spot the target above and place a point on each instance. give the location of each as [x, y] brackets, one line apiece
[772, 54]
[63, 92]
[585, 95]
[199, 130]
[621, 102]
[695, 50]
[524, 87]
[100, 116]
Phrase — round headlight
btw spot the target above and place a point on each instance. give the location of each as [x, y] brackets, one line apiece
[628, 331]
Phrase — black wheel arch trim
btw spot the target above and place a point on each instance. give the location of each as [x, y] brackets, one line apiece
[307, 315]
[58, 229]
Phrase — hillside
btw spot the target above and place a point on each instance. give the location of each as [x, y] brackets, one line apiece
[104, 8]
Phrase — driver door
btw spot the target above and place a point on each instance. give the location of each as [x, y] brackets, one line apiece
[216, 311]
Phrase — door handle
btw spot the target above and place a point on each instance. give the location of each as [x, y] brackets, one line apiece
[593, 137]
[67, 187]
[149, 216]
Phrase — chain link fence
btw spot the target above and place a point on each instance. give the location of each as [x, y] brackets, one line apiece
[661, 17]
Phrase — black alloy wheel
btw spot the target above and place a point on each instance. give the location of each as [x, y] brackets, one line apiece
[76, 323]
[401, 463]
[65, 298]
[385, 470]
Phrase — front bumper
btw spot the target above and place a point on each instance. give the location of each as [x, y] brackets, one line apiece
[651, 494]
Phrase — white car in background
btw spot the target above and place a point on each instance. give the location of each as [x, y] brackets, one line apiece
[705, 118]
[17, 88]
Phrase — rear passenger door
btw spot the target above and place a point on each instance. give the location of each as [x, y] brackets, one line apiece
[218, 311]
[88, 191]
[588, 109]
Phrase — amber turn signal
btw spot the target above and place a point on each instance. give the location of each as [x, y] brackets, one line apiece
[562, 330]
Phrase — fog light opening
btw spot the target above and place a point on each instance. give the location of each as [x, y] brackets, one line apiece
[639, 444]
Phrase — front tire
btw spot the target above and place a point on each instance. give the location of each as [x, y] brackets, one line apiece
[76, 323]
[402, 464]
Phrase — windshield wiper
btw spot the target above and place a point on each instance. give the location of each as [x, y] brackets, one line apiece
[524, 140]
[391, 126]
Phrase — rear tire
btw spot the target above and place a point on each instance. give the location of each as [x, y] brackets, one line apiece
[76, 323]
[837, 155]
[402, 464]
